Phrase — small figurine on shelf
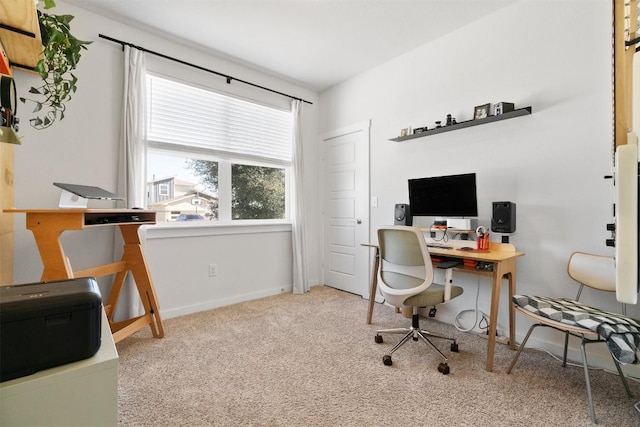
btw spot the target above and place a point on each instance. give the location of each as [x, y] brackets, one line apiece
[438, 124]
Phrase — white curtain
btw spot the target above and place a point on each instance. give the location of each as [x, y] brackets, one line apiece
[132, 158]
[132, 173]
[300, 262]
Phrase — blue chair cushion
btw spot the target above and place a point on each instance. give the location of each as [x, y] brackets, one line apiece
[621, 333]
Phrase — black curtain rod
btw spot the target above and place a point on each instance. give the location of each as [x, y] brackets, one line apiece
[229, 78]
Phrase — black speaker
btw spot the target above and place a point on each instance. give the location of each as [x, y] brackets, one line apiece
[402, 215]
[503, 219]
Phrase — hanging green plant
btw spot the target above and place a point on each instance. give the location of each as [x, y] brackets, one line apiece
[60, 56]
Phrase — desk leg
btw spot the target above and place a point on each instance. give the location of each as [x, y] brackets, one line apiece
[493, 317]
[134, 257]
[374, 286]
[55, 263]
[134, 260]
[512, 310]
[504, 269]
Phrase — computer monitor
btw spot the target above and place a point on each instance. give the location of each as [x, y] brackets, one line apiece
[444, 196]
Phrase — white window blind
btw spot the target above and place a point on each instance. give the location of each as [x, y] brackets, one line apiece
[184, 115]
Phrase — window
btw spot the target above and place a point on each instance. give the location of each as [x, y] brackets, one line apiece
[163, 189]
[213, 157]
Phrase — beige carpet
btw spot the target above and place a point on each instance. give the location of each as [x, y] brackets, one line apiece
[310, 360]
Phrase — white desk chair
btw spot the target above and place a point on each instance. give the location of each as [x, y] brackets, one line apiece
[406, 280]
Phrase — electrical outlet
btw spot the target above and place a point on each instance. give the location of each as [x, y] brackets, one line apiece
[213, 270]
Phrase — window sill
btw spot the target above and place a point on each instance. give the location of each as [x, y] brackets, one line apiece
[169, 230]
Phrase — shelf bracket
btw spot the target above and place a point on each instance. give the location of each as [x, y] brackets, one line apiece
[18, 30]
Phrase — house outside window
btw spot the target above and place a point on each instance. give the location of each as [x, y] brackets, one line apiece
[231, 155]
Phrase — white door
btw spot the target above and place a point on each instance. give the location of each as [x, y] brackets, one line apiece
[346, 209]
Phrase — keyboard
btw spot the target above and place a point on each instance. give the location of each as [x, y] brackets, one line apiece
[439, 246]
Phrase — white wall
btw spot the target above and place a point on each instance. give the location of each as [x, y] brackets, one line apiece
[83, 148]
[553, 56]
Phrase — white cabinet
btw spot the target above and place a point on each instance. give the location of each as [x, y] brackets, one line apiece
[83, 393]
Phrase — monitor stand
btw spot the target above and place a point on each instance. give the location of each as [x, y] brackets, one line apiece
[462, 223]
[71, 200]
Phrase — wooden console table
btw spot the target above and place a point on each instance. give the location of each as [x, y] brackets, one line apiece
[48, 225]
[503, 258]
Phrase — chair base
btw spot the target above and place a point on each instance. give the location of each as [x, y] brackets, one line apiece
[416, 333]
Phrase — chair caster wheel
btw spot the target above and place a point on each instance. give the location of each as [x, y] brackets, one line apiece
[379, 339]
[454, 347]
[443, 368]
[386, 359]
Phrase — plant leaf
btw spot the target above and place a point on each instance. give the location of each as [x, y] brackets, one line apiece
[41, 69]
[61, 52]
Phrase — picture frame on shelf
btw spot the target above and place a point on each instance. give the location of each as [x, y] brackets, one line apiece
[481, 111]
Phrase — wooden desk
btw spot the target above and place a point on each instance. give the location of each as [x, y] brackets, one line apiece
[503, 257]
[48, 225]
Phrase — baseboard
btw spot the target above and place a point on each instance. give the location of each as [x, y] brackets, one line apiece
[499, 339]
[211, 304]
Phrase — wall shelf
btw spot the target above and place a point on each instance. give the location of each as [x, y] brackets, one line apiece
[20, 33]
[461, 125]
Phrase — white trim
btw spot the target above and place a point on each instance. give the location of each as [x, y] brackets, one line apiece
[208, 305]
[171, 230]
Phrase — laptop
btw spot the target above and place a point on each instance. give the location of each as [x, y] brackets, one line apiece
[88, 192]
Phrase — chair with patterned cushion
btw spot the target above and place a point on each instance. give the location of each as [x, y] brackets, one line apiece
[620, 333]
[406, 280]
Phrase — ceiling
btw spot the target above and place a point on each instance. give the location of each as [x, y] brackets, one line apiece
[315, 43]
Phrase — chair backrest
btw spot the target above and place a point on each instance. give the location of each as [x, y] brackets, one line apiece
[405, 263]
[595, 271]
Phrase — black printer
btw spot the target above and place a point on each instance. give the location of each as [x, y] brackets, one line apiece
[47, 324]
